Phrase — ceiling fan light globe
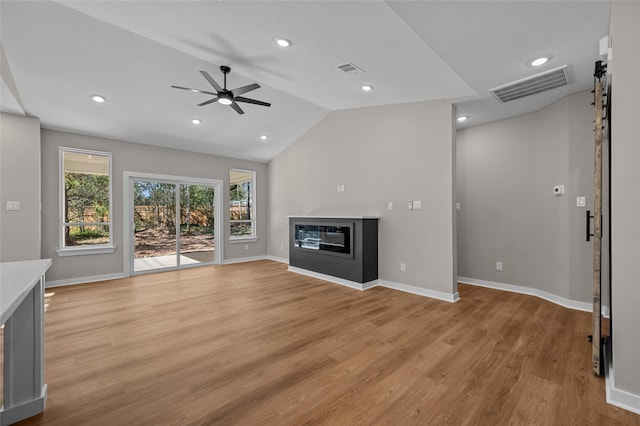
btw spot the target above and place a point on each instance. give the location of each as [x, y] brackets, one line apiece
[225, 101]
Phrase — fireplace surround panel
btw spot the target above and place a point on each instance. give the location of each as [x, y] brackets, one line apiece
[344, 247]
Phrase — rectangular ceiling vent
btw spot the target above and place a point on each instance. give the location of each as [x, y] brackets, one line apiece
[349, 67]
[542, 82]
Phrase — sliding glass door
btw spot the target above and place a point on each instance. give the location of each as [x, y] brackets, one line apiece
[197, 223]
[171, 222]
[155, 240]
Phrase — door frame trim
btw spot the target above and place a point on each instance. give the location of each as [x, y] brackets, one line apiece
[127, 202]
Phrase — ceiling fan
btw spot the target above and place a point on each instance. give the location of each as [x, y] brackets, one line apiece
[225, 96]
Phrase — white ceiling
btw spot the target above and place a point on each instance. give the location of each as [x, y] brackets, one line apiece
[60, 53]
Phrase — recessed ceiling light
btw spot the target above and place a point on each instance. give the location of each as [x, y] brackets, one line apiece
[264, 137]
[462, 118]
[539, 61]
[282, 42]
[367, 87]
[98, 98]
[196, 121]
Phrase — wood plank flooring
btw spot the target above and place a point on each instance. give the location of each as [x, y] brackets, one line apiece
[253, 344]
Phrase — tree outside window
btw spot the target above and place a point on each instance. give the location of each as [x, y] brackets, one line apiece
[242, 203]
[85, 198]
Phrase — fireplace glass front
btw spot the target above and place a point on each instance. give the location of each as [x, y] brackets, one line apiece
[331, 239]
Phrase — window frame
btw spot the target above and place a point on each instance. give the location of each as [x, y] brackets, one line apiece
[254, 233]
[89, 249]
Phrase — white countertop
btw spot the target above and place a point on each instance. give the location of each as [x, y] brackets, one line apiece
[16, 281]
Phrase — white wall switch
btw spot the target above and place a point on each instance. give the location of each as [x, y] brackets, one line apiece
[338, 188]
[13, 205]
[390, 205]
[341, 188]
[581, 201]
[410, 205]
[498, 266]
[403, 267]
[458, 207]
[558, 190]
[417, 204]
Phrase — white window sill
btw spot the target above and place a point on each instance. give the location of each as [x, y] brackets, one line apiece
[79, 251]
[241, 240]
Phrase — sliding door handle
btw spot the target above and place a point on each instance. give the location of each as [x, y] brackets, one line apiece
[589, 217]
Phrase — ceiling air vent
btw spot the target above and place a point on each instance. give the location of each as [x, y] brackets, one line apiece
[542, 82]
[349, 67]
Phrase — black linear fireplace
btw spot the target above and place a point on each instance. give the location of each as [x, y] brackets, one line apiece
[344, 247]
[335, 239]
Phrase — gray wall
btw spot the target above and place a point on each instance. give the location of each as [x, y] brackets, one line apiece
[506, 174]
[19, 181]
[625, 195]
[135, 157]
[381, 154]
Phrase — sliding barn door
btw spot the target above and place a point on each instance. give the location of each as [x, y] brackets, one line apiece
[601, 194]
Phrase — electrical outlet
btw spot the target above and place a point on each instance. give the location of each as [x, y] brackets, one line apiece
[281, 247]
[410, 205]
[498, 266]
[246, 246]
[403, 267]
[458, 207]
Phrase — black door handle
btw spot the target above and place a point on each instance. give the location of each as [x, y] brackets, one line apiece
[589, 217]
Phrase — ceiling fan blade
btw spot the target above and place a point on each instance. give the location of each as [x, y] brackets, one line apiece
[211, 80]
[195, 90]
[236, 107]
[251, 101]
[245, 89]
[210, 101]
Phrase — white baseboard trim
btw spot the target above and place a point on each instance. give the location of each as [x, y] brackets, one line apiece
[279, 259]
[335, 280]
[432, 294]
[388, 284]
[620, 398]
[85, 280]
[25, 409]
[243, 259]
[567, 303]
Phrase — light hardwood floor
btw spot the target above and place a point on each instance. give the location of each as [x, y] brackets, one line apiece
[253, 344]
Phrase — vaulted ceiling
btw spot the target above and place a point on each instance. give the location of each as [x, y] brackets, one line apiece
[56, 55]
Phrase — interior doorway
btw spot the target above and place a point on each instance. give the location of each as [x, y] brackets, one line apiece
[171, 222]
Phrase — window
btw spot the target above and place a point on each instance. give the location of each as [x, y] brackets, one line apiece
[242, 204]
[85, 202]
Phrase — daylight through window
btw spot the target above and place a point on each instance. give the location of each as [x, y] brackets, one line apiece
[242, 204]
[85, 199]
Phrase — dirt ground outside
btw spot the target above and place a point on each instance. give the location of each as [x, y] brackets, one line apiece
[161, 242]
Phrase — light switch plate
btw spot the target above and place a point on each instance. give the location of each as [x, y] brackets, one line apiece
[13, 205]
[581, 201]
[390, 205]
[458, 207]
[417, 204]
